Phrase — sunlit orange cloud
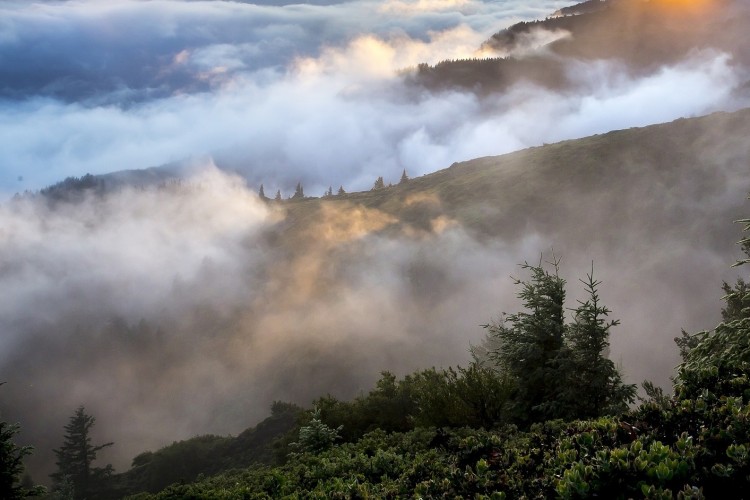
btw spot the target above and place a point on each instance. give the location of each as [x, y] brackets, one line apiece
[687, 6]
[371, 56]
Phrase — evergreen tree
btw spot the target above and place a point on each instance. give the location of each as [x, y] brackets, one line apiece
[278, 195]
[262, 193]
[299, 192]
[404, 178]
[76, 456]
[316, 436]
[341, 190]
[560, 370]
[329, 193]
[594, 385]
[379, 184]
[530, 344]
[11, 465]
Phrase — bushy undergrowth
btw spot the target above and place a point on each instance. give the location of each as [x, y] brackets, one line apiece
[695, 444]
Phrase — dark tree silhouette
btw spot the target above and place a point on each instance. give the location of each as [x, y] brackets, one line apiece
[299, 192]
[76, 456]
[11, 465]
[404, 177]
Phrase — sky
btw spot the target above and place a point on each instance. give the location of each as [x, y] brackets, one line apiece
[171, 312]
[292, 93]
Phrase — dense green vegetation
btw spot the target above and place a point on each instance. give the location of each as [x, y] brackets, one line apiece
[428, 434]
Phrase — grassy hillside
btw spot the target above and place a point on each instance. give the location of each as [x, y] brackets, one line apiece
[644, 175]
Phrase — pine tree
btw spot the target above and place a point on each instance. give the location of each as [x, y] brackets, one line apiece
[262, 193]
[595, 386]
[341, 190]
[278, 195]
[560, 370]
[76, 456]
[299, 192]
[329, 193]
[379, 184]
[530, 344]
[404, 178]
[11, 465]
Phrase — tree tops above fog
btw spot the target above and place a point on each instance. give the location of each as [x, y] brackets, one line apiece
[299, 191]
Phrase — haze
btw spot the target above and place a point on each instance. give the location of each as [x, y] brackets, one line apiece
[187, 308]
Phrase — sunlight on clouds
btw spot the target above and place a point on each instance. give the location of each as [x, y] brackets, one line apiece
[368, 56]
[420, 6]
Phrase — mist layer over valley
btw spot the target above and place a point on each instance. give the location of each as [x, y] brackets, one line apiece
[187, 306]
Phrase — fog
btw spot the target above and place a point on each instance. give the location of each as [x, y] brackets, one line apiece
[187, 308]
[92, 87]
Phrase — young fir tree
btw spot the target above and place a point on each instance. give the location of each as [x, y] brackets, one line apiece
[76, 456]
[594, 385]
[531, 342]
[379, 184]
[299, 192]
[262, 193]
[560, 370]
[341, 190]
[316, 436]
[278, 195]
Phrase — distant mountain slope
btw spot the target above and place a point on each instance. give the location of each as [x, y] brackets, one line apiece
[638, 172]
[641, 35]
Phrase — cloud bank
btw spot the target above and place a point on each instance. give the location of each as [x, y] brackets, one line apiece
[298, 93]
[180, 300]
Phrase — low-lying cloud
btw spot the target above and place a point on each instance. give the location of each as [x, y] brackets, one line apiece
[186, 303]
[323, 103]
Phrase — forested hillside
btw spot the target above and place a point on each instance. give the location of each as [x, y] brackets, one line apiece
[396, 442]
[642, 36]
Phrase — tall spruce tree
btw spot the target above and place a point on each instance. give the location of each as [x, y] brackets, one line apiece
[76, 456]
